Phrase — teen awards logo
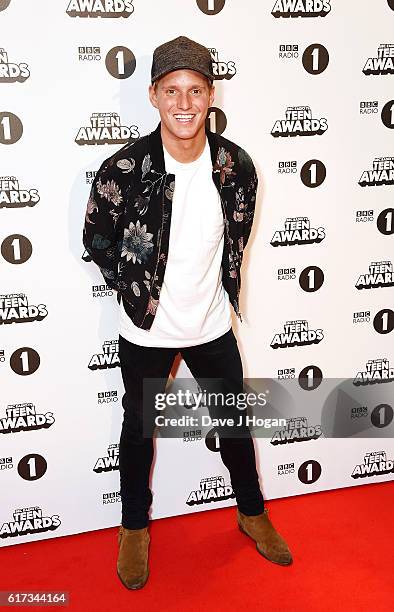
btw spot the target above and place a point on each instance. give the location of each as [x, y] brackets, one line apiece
[299, 122]
[296, 333]
[212, 489]
[100, 8]
[296, 430]
[106, 128]
[383, 63]
[24, 417]
[375, 464]
[11, 72]
[110, 462]
[380, 275]
[12, 196]
[15, 308]
[109, 358]
[222, 70]
[298, 230]
[377, 371]
[301, 8]
[29, 520]
[382, 173]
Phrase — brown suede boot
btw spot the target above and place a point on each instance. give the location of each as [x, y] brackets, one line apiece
[132, 564]
[268, 541]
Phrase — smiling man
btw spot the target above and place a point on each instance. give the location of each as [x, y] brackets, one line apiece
[167, 222]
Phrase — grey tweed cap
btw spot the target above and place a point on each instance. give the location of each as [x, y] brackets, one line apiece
[181, 52]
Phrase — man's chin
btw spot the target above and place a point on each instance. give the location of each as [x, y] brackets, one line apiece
[187, 131]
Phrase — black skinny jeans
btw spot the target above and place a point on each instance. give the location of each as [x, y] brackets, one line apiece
[218, 358]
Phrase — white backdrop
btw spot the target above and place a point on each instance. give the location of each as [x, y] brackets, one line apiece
[60, 63]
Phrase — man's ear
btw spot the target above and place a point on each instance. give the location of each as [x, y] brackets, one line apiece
[152, 96]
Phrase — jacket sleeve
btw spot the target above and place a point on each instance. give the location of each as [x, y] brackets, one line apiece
[250, 203]
[104, 208]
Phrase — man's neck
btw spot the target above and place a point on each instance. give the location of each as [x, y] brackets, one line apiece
[184, 151]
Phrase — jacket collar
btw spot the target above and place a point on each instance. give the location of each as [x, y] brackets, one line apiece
[157, 153]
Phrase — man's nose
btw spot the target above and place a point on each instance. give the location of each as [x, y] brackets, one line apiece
[184, 101]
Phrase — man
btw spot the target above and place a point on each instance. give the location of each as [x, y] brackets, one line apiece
[167, 221]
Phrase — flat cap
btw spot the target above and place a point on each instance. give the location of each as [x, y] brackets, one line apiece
[181, 52]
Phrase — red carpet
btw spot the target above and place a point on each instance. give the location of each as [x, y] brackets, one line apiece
[342, 544]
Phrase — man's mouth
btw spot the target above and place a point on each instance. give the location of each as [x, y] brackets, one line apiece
[183, 118]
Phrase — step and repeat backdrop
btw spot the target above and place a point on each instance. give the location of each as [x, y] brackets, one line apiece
[305, 86]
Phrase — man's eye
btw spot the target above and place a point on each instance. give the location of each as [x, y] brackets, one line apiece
[197, 91]
[170, 91]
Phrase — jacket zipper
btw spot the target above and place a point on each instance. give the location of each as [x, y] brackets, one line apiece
[232, 253]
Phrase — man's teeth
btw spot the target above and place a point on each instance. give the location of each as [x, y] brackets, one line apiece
[183, 118]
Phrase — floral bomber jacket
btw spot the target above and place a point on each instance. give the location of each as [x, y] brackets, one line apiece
[128, 218]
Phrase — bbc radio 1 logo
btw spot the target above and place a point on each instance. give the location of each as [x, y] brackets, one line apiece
[100, 8]
[211, 7]
[375, 464]
[12, 196]
[107, 397]
[216, 120]
[99, 291]
[301, 8]
[109, 358]
[220, 68]
[119, 61]
[26, 521]
[112, 497]
[90, 176]
[380, 274]
[298, 230]
[361, 316]
[106, 128]
[110, 462]
[297, 430]
[212, 489]
[369, 107]
[4, 4]
[310, 279]
[11, 128]
[296, 333]
[309, 377]
[11, 72]
[377, 371]
[299, 122]
[24, 417]
[383, 63]
[15, 308]
[312, 174]
[315, 58]
[308, 472]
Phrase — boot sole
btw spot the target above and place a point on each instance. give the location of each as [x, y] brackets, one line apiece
[262, 554]
[134, 587]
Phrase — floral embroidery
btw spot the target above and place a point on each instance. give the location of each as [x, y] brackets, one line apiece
[110, 191]
[223, 164]
[141, 204]
[91, 207]
[241, 244]
[135, 288]
[99, 242]
[136, 243]
[152, 305]
[170, 190]
[146, 165]
[107, 273]
[126, 165]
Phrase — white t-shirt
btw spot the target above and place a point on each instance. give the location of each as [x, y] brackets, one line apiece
[193, 305]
